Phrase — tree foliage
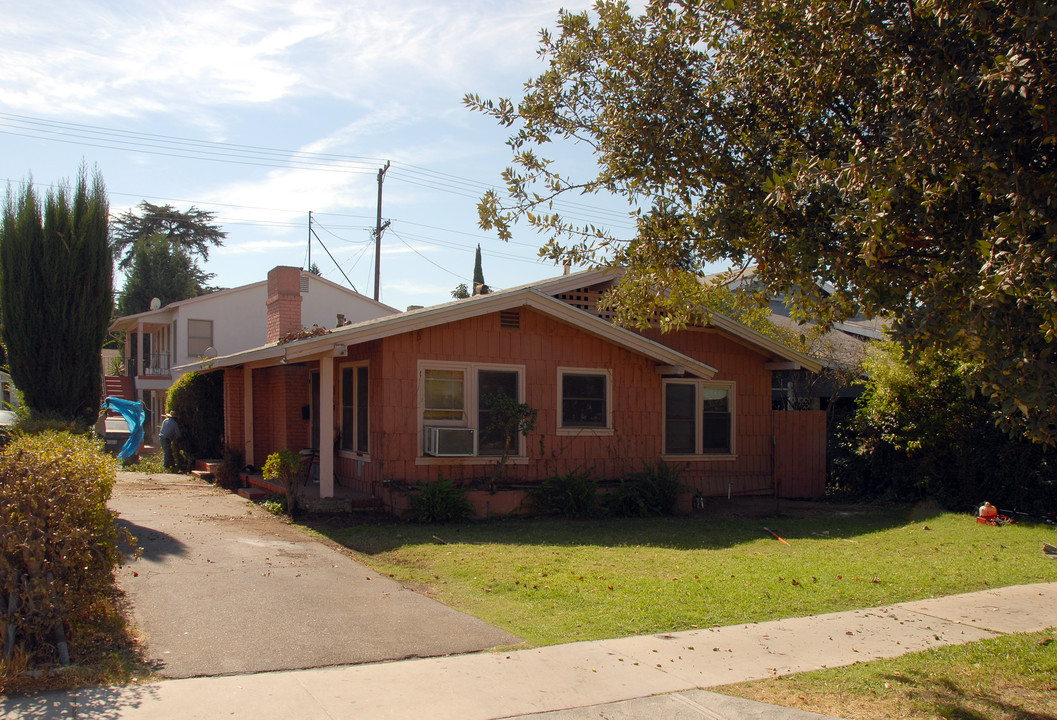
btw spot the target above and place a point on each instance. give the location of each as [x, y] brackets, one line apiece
[923, 430]
[158, 250]
[160, 270]
[479, 287]
[56, 295]
[904, 153]
[195, 231]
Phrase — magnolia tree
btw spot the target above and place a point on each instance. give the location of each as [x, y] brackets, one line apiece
[877, 157]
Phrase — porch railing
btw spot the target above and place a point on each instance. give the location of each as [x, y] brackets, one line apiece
[155, 364]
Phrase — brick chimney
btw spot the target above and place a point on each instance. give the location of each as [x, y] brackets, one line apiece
[284, 302]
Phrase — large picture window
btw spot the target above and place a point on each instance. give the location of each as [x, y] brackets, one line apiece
[462, 395]
[698, 418]
[354, 414]
[584, 399]
[199, 337]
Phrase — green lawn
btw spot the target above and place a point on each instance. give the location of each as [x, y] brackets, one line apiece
[1008, 678]
[554, 581]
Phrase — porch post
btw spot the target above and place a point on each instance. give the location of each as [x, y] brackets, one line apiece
[326, 426]
[247, 414]
[139, 348]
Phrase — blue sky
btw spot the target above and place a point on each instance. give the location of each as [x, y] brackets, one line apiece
[264, 111]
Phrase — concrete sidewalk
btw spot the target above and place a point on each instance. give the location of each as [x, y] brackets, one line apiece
[639, 677]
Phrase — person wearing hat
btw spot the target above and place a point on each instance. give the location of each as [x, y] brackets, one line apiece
[170, 430]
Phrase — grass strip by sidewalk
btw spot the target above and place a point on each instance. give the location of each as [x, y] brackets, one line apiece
[1007, 678]
[554, 581]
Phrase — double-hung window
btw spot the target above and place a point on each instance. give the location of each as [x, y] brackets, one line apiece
[354, 414]
[458, 407]
[584, 401]
[698, 418]
[199, 337]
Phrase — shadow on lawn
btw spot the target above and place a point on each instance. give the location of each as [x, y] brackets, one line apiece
[949, 699]
[722, 524]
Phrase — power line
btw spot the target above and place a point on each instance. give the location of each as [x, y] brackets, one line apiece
[431, 262]
[253, 155]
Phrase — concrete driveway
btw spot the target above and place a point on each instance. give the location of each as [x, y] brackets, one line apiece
[223, 587]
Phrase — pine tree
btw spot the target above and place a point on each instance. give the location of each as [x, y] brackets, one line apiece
[158, 250]
[56, 295]
[160, 270]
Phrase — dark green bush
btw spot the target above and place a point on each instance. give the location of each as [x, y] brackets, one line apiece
[923, 430]
[59, 543]
[196, 401]
[440, 502]
[572, 495]
[227, 474]
[651, 492]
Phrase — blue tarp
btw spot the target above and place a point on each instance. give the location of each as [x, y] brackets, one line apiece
[135, 416]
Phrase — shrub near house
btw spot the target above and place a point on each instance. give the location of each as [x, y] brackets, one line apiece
[59, 544]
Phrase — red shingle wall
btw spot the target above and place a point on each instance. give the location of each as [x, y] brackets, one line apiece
[751, 472]
[542, 344]
[279, 394]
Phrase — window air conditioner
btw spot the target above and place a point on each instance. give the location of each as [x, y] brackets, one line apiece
[450, 441]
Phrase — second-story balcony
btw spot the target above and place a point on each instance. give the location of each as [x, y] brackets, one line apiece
[154, 365]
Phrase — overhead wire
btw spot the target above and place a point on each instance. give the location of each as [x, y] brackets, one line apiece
[192, 149]
[254, 155]
[323, 245]
[431, 262]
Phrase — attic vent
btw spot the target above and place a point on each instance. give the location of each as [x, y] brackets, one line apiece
[510, 319]
[304, 283]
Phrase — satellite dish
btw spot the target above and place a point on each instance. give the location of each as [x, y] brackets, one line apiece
[155, 303]
[211, 352]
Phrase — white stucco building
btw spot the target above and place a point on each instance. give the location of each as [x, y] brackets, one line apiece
[221, 323]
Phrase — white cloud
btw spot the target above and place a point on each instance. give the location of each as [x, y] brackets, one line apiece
[256, 246]
[105, 58]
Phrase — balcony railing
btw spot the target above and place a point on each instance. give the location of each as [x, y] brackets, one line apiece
[156, 364]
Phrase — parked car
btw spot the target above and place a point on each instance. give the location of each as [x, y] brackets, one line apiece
[8, 418]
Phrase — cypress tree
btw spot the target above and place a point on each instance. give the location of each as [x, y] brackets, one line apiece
[479, 288]
[56, 295]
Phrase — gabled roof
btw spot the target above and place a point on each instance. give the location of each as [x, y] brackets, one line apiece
[529, 296]
[719, 321]
[127, 322]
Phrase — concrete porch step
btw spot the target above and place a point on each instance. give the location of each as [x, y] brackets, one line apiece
[209, 465]
[203, 474]
[252, 493]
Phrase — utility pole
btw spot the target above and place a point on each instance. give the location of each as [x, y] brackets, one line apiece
[378, 234]
[309, 266]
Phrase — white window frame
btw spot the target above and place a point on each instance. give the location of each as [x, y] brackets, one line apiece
[562, 428]
[470, 410]
[729, 386]
[191, 339]
[354, 369]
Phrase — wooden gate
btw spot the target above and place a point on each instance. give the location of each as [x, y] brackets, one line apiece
[800, 453]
